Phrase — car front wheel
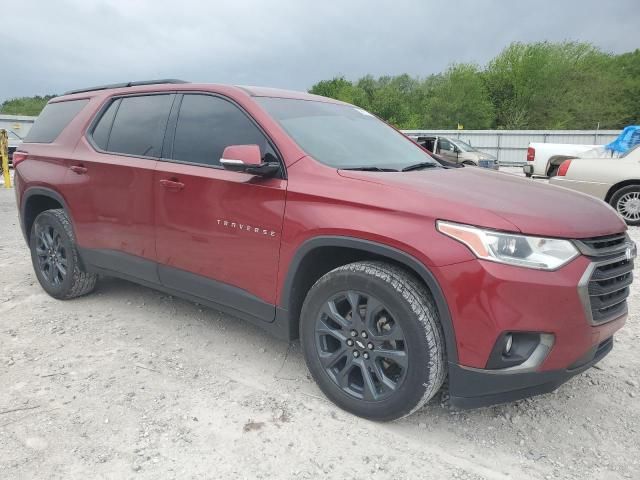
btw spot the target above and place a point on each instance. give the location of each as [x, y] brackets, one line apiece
[372, 340]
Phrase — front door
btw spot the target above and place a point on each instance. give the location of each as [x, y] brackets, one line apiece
[217, 231]
[446, 149]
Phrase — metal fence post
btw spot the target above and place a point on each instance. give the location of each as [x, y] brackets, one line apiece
[4, 156]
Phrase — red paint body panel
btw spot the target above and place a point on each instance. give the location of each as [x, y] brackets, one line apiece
[209, 227]
[477, 196]
[487, 298]
[244, 231]
[112, 203]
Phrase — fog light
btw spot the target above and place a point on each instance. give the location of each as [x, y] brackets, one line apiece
[515, 348]
[508, 344]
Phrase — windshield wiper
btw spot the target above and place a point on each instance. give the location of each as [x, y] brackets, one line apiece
[420, 166]
[371, 169]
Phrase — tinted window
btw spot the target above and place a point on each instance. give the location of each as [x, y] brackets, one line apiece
[343, 136]
[139, 125]
[103, 128]
[206, 125]
[52, 120]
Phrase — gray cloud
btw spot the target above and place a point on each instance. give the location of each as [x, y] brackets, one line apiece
[56, 46]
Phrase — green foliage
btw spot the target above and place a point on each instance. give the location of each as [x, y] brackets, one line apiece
[542, 85]
[25, 105]
[458, 96]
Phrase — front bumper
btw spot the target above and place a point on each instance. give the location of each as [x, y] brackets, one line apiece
[473, 388]
[491, 164]
[487, 299]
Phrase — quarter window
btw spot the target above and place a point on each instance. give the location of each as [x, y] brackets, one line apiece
[207, 125]
[53, 119]
[103, 128]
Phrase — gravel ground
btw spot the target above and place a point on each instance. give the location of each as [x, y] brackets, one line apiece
[131, 383]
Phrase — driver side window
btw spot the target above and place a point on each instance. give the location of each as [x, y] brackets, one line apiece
[444, 145]
[207, 125]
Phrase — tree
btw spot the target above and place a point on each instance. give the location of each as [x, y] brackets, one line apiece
[554, 85]
[543, 85]
[458, 96]
[25, 105]
[337, 88]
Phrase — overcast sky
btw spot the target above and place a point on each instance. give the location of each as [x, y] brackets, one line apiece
[49, 46]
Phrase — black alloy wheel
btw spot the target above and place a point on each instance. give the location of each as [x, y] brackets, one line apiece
[55, 257]
[51, 254]
[361, 346]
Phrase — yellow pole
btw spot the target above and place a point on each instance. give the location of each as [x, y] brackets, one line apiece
[4, 154]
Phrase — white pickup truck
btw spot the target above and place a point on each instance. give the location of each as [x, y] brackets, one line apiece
[543, 159]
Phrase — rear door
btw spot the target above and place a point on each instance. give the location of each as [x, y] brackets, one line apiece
[110, 186]
[217, 231]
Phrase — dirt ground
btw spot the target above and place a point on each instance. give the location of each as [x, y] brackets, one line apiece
[131, 383]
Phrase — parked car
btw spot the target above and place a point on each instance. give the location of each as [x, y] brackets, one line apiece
[616, 181]
[455, 150]
[312, 218]
[544, 159]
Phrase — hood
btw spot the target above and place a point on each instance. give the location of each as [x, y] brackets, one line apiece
[486, 156]
[482, 197]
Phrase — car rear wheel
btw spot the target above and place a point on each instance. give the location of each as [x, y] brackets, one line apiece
[626, 201]
[55, 257]
[372, 340]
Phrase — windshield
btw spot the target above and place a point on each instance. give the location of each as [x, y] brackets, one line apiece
[464, 146]
[343, 136]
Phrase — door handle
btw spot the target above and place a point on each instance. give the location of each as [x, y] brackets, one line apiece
[79, 169]
[172, 184]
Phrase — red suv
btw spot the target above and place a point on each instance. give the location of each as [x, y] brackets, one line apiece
[310, 217]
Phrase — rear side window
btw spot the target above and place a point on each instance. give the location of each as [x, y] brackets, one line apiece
[138, 126]
[53, 119]
[208, 124]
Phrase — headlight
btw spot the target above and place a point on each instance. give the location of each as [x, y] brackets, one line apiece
[524, 251]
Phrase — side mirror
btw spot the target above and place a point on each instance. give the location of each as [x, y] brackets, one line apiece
[247, 158]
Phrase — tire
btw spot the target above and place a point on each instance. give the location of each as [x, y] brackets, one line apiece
[528, 175]
[55, 257]
[469, 163]
[405, 366]
[626, 202]
[553, 170]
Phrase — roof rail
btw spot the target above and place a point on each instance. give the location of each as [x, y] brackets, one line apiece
[126, 84]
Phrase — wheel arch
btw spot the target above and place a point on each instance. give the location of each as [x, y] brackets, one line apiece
[36, 200]
[319, 255]
[617, 186]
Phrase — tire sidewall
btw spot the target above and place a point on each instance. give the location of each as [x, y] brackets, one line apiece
[412, 390]
[618, 195]
[57, 291]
